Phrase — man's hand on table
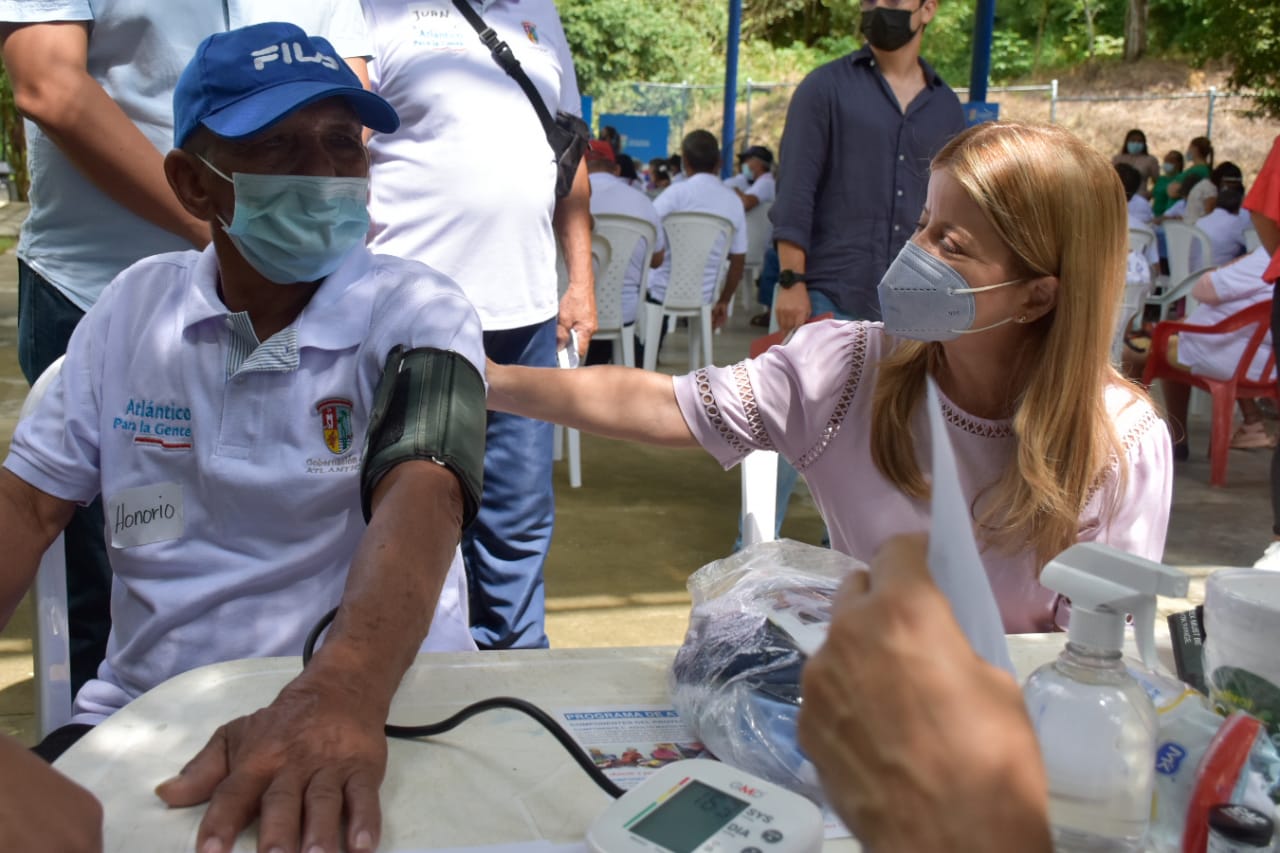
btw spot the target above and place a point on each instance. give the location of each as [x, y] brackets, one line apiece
[314, 756]
[919, 743]
[40, 809]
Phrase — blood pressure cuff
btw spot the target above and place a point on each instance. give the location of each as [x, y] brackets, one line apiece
[430, 405]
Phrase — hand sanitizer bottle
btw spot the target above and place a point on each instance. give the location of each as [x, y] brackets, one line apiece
[1095, 723]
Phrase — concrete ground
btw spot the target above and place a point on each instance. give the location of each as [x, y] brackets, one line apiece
[645, 518]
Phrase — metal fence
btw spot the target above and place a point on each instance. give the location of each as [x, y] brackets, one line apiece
[696, 105]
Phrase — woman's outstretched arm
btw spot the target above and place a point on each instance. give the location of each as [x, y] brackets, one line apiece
[616, 402]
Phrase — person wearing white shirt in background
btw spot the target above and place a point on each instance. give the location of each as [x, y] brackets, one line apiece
[702, 192]
[759, 160]
[1140, 210]
[94, 81]
[610, 194]
[1131, 180]
[1220, 293]
[467, 186]
[740, 180]
[1224, 226]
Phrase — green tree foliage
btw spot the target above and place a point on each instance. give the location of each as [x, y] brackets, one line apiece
[1247, 34]
[664, 41]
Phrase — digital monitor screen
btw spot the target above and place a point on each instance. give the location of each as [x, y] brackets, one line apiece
[692, 815]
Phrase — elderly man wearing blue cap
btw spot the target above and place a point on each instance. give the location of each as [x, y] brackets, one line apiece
[244, 411]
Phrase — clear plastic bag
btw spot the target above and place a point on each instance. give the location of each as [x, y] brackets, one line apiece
[736, 679]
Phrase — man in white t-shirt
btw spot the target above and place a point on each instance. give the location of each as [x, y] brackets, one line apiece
[222, 402]
[95, 80]
[612, 195]
[759, 160]
[467, 186]
[702, 192]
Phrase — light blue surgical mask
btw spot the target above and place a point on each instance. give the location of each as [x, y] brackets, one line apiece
[296, 228]
[924, 299]
[1168, 168]
[1135, 147]
[746, 173]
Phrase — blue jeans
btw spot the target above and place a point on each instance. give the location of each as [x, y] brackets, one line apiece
[46, 320]
[769, 271]
[505, 548]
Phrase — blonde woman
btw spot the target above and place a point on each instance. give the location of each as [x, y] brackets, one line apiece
[1006, 296]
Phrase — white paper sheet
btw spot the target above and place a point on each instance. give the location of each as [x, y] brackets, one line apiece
[953, 553]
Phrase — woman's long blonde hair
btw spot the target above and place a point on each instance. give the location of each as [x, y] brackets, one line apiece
[1059, 207]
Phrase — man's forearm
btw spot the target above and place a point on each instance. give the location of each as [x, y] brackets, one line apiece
[736, 265]
[52, 87]
[33, 520]
[572, 223]
[394, 582]
[791, 256]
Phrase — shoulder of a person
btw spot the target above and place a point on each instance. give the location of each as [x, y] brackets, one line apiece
[408, 284]
[157, 272]
[1134, 418]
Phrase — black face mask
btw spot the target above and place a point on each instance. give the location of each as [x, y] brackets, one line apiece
[887, 29]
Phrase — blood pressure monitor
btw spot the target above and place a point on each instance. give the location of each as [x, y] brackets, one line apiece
[700, 806]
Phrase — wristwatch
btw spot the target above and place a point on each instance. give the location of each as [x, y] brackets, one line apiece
[788, 278]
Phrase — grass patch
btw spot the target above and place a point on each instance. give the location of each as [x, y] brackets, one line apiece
[7, 243]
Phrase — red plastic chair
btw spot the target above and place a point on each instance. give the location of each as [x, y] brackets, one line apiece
[1224, 392]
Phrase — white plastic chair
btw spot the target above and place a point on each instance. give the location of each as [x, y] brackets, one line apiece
[759, 230]
[600, 255]
[1131, 302]
[1140, 239]
[1180, 238]
[1251, 241]
[759, 496]
[52, 645]
[696, 242]
[623, 234]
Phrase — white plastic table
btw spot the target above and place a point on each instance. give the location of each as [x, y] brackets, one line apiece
[497, 778]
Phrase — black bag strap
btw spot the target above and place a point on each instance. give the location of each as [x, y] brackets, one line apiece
[507, 61]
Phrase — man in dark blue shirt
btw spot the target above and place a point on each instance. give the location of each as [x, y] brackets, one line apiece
[855, 155]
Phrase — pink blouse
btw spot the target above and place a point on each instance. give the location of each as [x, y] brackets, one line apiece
[811, 401]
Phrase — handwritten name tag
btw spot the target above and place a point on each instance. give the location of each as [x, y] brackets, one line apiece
[144, 515]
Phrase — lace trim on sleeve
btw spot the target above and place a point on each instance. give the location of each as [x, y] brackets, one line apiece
[748, 396]
[712, 409]
[1131, 438]
[857, 361]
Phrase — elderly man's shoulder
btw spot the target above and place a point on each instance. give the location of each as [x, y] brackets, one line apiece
[405, 286]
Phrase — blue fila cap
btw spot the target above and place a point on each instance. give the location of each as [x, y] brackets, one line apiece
[245, 80]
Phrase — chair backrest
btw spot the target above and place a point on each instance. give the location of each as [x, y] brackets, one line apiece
[1251, 240]
[696, 242]
[1189, 249]
[1140, 239]
[623, 234]
[51, 646]
[1131, 302]
[759, 230]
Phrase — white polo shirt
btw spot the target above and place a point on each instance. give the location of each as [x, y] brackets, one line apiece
[700, 193]
[738, 182]
[232, 503]
[612, 195]
[467, 184]
[763, 188]
[75, 236]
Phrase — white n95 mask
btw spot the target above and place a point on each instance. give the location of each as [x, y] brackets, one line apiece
[924, 299]
[296, 228]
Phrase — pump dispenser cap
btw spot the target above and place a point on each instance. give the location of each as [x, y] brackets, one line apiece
[1104, 585]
